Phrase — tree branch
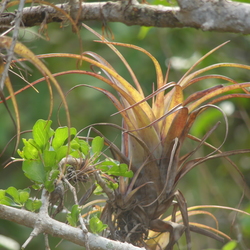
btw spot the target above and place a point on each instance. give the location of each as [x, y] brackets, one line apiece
[212, 15]
[58, 229]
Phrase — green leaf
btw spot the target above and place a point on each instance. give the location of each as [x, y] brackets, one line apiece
[28, 205]
[74, 144]
[49, 185]
[61, 153]
[96, 225]
[70, 220]
[84, 147]
[75, 212]
[76, 154]
[34, 170]
[26, 190]
[98, 190]
[37, 186]
[61, 136]
[128, 174]
[231, 245]
[42, 132]
[49, 159]
[17, 198]
[12, 191]
[50, 179]
[106, 165]
[112, 185]
[73, 217]
[120, 170]
[7, 201]
[30, 150]
[110, 163]
[97, 145]
[115, 168]
[104, 169]
[54, 174]
[20, 153]
[36, 204]
[33, 205]
[23, 196]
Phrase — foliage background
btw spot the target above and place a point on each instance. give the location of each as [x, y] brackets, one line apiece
[211, 183]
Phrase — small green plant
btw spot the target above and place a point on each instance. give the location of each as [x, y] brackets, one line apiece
[96, 226]
[73, 216]
[42, 154]
[51, 155]
[19, 198]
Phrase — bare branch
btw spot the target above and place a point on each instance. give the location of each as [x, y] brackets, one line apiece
[61, 230]
[215, 15]
[212, 15]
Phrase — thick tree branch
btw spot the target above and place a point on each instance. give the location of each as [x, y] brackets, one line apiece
[58, 229]
[212, 15]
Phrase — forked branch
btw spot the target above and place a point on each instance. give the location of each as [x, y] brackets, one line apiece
[61, 230]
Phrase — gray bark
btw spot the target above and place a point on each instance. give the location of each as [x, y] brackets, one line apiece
[58, 229]
[208, 15]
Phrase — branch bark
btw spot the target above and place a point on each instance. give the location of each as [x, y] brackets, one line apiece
[208, 15]
[58, 229]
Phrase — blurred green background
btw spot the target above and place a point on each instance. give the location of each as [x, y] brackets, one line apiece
[213, 183]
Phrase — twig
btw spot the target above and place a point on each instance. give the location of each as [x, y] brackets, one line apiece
[73, 161]
[109, 192]
[46, 240]
[33, 234]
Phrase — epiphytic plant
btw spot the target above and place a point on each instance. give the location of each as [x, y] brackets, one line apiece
[153, 136]
[154, 130]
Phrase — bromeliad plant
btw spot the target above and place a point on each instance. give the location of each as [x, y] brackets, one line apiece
[152, 139]
[153, 136]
